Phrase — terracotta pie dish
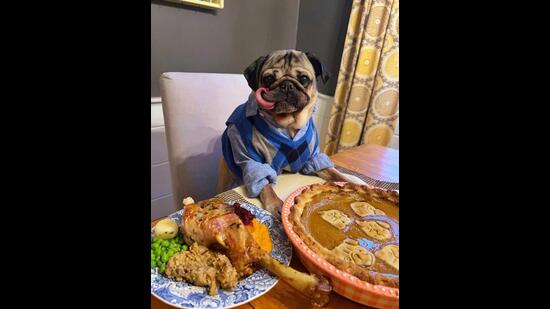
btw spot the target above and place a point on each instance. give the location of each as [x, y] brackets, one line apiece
[349, 234]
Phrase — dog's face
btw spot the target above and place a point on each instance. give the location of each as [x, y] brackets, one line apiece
[285, 83]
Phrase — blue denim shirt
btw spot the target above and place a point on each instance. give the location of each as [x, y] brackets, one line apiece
[257, 174]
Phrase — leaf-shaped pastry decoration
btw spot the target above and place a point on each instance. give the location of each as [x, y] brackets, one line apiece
[378, 230]
[351, 251]
[335, 217]
[365, 209]
[389, 255]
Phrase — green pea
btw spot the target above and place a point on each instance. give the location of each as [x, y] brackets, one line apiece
[165, 258]
[171, 252]
[184, 248]
[155, 245]
[156, 240]
[153, 263]
[162, 268]
[164, 242]
[158, 251]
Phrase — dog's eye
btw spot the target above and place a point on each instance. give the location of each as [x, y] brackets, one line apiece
[304, 80]
[268, 80]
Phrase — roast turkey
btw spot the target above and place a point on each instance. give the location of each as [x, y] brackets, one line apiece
[214, 224]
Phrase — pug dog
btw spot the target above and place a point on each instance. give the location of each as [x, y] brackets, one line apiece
[273, 131]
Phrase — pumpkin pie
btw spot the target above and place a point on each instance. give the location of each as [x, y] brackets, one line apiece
[353, 227]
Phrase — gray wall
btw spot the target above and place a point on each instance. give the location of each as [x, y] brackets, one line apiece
[187, 39]
[322, 27]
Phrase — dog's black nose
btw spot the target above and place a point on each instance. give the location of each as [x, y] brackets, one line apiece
[287, 86]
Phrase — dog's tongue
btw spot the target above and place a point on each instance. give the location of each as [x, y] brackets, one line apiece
[261, 101]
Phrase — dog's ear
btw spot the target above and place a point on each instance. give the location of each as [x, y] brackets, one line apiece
[252, 73]
[320, 70]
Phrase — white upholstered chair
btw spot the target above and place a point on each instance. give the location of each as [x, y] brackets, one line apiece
[196, 106]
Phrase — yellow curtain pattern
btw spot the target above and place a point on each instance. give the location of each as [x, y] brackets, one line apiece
[369, 73]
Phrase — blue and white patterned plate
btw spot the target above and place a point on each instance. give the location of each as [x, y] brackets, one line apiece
[185, 295]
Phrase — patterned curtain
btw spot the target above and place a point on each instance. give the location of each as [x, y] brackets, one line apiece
[366, 101]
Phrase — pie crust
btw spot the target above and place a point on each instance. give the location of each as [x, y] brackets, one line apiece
[378, 264]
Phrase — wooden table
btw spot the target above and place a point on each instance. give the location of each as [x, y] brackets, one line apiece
[375, 161]
[371, 160]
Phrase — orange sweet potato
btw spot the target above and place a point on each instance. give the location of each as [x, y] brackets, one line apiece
[260, 233]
